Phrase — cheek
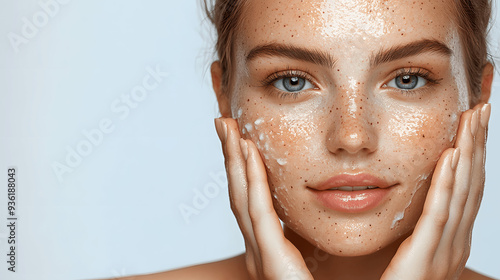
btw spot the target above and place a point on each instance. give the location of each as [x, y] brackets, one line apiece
[283, 142]
[420, 135]
[283, 134]
[286, 141]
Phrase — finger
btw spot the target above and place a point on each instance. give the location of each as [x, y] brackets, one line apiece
[478, 172]
[273, 246]
[429, 228]
[465, 141]
[459, 190]
[244, 223]
[265, 221]
[464, 231]
[237, 180]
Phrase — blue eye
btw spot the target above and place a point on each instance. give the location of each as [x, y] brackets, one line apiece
[407, 82]
[292, 84]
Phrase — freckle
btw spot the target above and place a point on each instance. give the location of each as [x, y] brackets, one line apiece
[359, 235]
[305, 181]
[248, 100]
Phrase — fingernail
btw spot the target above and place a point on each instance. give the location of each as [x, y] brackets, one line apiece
[473, 123]
[244, 148]
[455, 158]
[485, 115]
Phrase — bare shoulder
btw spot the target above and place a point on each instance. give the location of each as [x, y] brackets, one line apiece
[229, 269]
[469, 274]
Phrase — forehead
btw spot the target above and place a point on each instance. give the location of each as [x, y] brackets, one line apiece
[338, 25]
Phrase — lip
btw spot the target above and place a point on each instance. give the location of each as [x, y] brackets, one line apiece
[352, 201]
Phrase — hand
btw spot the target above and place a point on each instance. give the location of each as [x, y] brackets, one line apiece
[440, 244]
[269, 255]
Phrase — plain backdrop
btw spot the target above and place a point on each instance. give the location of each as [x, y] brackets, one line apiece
[107, 204]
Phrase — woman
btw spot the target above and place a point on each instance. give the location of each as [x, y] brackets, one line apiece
[362, 126]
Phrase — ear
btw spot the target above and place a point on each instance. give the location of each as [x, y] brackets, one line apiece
[222, 96]
[486, 81]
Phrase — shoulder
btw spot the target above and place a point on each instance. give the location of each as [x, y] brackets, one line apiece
[469, 274]
[229, 269]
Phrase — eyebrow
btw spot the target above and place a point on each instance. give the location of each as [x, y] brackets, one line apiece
[322, 58]
[309, 55]
[410, 49]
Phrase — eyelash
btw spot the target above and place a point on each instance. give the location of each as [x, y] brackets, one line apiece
[420, 72]
[269, 81]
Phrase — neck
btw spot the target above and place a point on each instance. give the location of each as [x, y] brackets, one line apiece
[325, 266]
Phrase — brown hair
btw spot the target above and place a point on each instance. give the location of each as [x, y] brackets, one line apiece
[471, 17]
[225, 15]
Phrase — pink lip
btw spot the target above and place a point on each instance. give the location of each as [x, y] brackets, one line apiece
[352, 201]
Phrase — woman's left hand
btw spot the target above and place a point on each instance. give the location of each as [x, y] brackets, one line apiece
[440, 243]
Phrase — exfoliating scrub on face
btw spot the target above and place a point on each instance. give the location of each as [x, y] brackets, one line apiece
[350, 107]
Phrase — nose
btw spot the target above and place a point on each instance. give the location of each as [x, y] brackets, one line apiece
[353, 125]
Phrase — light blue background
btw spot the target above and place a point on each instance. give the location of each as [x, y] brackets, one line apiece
[117, 213]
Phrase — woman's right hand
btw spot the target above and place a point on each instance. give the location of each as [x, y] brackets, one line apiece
[269, 255]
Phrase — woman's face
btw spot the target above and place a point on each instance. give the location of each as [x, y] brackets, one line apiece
[370, 91]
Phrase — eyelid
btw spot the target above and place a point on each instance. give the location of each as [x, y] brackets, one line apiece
[417, 71]
[287, 74]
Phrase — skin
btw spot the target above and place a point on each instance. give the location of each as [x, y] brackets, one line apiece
[348, 121]
[350, 118]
